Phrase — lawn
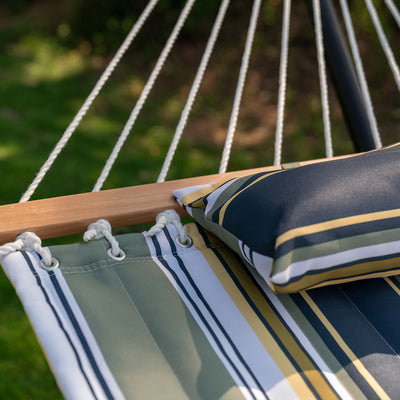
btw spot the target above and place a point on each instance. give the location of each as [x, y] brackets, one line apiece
[51, 57]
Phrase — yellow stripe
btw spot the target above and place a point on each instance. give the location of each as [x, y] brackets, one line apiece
[369, 269]
[392, 285]
[336, 223]
[198, 194]
[265, 337]
[339, 340]
[226, 205]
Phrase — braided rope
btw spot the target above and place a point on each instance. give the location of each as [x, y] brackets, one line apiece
[193, 91]
[322, 78]
[361, 74]
[88, 102]
[394, 10]
[282, 82]
[384, 42]
[240, 85]
[143, 96]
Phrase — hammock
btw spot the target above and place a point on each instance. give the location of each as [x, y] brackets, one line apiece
[264, 295]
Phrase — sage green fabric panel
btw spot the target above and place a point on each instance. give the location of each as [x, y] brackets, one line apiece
[178, 335]
[149, 338]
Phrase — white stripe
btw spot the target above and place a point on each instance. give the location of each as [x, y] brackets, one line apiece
[302, 338]
[236, 326]
[262, 263]
[359, 254]
[179, 193]
[53, 339]
[213, 197]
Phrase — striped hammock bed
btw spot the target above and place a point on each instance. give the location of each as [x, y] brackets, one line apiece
[217, 309]
[170, 322]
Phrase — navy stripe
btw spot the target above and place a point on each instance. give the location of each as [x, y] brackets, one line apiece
[378, 307]
[333, 346]
[199, 313]
[209, 309]
[359, 313]
[262, 318]
[81, 336]
[60, 324]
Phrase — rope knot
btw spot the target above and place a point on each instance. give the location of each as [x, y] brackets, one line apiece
[102, 228]
[168, 217]
[29, 241]
[97, 230]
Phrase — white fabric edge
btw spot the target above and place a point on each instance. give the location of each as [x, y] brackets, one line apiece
[63, 349]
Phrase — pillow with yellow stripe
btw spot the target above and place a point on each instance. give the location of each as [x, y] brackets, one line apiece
[312, 225]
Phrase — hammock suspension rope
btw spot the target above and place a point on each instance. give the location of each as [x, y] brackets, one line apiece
[88, 102]
[194, 90]
[361, 74]
[384, 41]
[322, 78]
[282, 82]
[239, 87]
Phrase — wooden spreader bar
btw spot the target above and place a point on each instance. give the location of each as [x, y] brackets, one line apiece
[68, 215]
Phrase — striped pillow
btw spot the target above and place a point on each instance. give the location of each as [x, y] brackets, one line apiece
[309, 226]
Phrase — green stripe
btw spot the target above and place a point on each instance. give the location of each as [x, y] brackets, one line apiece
[333, 247]
[320, 346]
[149, 338]
[227, 194]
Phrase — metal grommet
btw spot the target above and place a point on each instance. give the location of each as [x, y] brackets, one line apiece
[119, 257]
[54, 264]
[187, 243]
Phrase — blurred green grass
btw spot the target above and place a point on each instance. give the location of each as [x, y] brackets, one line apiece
[49, 62]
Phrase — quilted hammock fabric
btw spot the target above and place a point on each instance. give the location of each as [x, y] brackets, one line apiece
[196, 323]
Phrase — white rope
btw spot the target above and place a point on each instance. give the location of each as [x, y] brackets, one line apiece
[143, 96]
[282, 82]
[194, 90]
[361, 74]
[322, 78]
[394, 10]
[88, 102]
[239, 88]
[28, 241]
[169, 217]
[384, 42]
[102, 228]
